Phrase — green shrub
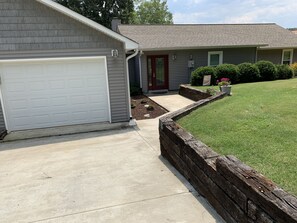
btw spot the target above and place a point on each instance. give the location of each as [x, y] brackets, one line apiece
[248, 73]
[198, 74]
[267, 70]
[284, 71]
[294, 67]
[228, 71]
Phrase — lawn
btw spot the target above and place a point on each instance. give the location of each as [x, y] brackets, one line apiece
[258, 124]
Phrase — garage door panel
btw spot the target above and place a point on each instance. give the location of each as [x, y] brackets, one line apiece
[19, 104]
[57, 84]
[54, 93]
[59, 101]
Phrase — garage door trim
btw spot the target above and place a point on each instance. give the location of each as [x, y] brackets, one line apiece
[59, 59]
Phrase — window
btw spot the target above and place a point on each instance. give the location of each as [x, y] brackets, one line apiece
[215, 58]
[287, 57]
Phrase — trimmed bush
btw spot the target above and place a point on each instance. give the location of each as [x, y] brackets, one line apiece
[248, 73]
[284, 71]
[267, 70]
[198, 74]
[294, 67]
[230, 71]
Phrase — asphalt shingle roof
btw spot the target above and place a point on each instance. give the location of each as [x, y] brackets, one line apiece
[154, 37]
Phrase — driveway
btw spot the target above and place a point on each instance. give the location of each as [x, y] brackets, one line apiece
[112, 176]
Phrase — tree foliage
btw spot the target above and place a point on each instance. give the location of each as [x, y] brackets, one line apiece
[152, 12]
[102, 11]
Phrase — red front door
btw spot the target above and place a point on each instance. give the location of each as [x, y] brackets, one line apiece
[157, 67]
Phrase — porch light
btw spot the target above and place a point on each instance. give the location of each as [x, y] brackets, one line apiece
[114, 53]
[174, 57]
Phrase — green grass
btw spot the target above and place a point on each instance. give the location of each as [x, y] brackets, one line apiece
[258, 124]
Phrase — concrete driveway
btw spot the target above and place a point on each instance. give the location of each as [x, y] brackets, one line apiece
[112, 176]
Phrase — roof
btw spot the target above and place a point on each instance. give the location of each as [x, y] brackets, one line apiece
[294, 30]
[129, 44]
[162, 37]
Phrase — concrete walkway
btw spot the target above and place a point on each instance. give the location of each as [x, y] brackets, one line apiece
[112, 176]
[172, 101]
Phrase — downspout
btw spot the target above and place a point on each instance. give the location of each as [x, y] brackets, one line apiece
[128, 82]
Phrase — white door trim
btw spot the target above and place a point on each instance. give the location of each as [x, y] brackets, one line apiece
[3, 104]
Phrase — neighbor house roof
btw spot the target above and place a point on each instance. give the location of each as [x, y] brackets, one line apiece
[294, 30]
[162, 37]
[129, 44]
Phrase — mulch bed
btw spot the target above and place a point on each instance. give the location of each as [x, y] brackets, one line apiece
[139, 111]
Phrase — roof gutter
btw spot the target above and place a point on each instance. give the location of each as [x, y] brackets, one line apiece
[200, 47]
[278, 48]
[128, 84]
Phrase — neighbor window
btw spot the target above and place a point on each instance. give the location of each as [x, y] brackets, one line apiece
[215, 58]
[287, 57]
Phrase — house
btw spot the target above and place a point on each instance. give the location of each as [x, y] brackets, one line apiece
[59, 68]
[169, 53]
[294, 30]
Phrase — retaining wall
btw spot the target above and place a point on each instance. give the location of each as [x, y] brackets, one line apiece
[235, 190]
[191, 93]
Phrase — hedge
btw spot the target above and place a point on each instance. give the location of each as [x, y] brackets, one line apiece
[284, 71]
[248, 73]
[230, 71]
[244, 73]
[267, 70]
[198, 74]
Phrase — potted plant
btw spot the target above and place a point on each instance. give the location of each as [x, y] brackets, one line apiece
[225, 85]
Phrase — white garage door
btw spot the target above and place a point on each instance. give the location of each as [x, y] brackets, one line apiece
[54, 92]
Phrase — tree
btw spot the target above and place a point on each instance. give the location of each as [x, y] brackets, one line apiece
[152, 12]
[102, 11]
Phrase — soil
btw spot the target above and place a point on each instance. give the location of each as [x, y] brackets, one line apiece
[140, 110]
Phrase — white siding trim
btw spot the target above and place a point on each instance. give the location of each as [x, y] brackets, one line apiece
[107, 88]
[215, 52]
[291, 55]
[1, 98]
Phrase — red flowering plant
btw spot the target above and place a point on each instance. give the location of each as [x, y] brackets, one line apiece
[223, 82]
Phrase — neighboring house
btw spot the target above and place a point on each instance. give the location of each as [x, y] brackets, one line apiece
[59, 68]
[294, 30]
[169, 53]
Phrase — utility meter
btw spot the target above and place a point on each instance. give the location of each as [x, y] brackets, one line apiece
[191, 64]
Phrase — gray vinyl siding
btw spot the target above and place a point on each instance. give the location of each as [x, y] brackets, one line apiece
[275, 56]
[29, 29]
[179, 73]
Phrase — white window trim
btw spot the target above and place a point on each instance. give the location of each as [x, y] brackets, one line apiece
[291, 55]
[215, 52]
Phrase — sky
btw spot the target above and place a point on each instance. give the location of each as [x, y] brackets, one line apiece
[282, 12]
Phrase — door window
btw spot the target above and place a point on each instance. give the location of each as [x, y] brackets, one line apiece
[157, 70]
[160, 71]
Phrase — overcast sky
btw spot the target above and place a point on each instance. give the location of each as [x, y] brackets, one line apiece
[282, 12]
